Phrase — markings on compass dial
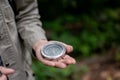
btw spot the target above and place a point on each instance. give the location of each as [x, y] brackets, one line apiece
[53, 50]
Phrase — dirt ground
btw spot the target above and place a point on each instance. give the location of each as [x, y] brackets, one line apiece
[103, 71]
[104, 67]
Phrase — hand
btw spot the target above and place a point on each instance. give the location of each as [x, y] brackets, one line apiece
[61, 63]
[4, 72]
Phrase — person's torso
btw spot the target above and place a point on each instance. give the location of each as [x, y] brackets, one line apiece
[12, 51]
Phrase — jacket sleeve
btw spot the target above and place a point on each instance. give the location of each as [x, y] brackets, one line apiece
[28, 23]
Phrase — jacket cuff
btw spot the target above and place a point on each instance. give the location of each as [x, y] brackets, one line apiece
[32, 39]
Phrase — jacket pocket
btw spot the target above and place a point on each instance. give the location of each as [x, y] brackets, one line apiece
[8, 13]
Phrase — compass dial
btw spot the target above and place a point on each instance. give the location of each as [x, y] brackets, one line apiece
[53, 50]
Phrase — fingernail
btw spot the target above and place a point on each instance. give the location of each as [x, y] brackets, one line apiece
[74, 61]
[71, 48]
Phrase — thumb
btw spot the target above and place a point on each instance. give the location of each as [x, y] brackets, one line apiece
[6, 71]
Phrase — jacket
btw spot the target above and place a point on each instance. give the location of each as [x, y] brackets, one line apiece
[17, 36]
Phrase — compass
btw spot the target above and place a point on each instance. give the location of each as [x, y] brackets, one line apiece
[53, 50]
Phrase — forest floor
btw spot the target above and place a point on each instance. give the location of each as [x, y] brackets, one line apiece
[108, 70]
[101, 68]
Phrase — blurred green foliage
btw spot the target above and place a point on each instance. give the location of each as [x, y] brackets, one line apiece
[50, 73]
[90, 26]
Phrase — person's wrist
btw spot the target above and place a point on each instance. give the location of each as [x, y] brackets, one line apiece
[38, 43]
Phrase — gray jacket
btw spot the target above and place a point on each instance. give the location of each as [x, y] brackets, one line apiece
[17, 37]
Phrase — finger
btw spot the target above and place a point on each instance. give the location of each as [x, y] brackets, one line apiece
[6, 71]
[69, 48]
[65, 61]
[60, 65]
[68, 60]
[3, 77]
[47, 62]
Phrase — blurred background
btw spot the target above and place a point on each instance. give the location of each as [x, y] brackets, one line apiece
[92, 27]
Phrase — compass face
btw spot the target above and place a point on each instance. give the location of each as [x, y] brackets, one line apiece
[53, 50]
